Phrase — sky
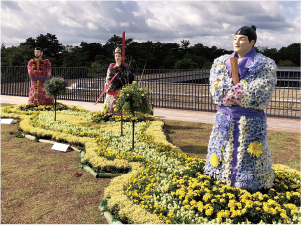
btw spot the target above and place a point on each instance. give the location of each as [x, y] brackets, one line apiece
[212, 23]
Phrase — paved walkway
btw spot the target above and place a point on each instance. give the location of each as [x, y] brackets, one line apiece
[276, 124]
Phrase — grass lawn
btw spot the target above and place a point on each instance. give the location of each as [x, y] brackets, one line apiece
[43, 186]
[193, 139]
[40, 185]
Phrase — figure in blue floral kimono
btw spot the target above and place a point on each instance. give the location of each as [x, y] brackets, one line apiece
[238, 151]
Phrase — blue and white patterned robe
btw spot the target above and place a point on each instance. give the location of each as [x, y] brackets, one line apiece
[258, 83]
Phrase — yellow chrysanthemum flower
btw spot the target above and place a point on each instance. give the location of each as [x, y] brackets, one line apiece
[284, 216]
[255, 149]
[214, 160]
[209, 211]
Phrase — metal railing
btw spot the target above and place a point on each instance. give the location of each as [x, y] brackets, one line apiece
[178, 89]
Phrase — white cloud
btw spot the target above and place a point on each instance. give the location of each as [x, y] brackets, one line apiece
[118, 10]
[206, 22]
[53, 9]
[92, 26]
[226, 25]
[124, 24]
[69, 22]
[158, 25]
[16, 41]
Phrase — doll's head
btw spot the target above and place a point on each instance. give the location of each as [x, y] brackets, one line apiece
[118, 56]
[244, 40]
[38, 52]
[250, 32]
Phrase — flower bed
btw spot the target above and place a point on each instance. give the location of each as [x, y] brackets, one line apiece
[161, 184]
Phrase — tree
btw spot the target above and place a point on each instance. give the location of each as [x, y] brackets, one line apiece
[55, 87]
[291, 52]
[67, 48]
[114, 42]
[285, 63]
[133, 100]
[147, 55]
[186, 64]
[185, 44]
[207, 66]
[92, 50]
[271, 53]
[77, 58]
[51, 46]
[100, 61]
[16, 55]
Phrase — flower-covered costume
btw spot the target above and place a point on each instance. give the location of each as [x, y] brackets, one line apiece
[125, 76]
[238, 151]
[37, 93]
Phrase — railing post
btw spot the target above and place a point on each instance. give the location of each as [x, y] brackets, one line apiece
[167, 88]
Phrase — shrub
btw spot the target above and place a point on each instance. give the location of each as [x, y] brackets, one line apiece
[285, 63]
[207, 66]
[186, 64]
[56, 86]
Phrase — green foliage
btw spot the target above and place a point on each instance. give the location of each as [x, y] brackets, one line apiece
[207, 65]
[104, 117]
[271, 53]
[285, 63]
[186, 64]
[185, 44]
[48, 42]
[101, 61]
[55, 86]
[133, 99]
[32, 107]
[147, 55]
[291, 52]
[16, 55]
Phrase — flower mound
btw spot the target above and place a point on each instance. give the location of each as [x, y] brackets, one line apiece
[56, 86]
[162, 184]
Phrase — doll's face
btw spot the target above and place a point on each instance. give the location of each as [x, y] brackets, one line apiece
[241, 44]
[118, 58]
[38, 53]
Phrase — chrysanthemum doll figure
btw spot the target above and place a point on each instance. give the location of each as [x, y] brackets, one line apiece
[124, 76]
[242, 85]
[39, 70]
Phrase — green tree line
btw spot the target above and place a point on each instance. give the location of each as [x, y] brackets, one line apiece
[147, 55]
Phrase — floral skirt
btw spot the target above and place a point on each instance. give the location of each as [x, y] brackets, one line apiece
[110, 100]
[37, 94]
[238, 152]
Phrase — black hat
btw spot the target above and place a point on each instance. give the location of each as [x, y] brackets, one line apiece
[39, 48]
[250, 32]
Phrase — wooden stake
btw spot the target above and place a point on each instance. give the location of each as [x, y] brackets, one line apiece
[54, 109]
[123, 47]
[234, 68]
[38, 65]
[121, 124]
[133, 133]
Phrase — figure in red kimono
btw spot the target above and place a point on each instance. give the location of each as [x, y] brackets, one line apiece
[39, 70]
